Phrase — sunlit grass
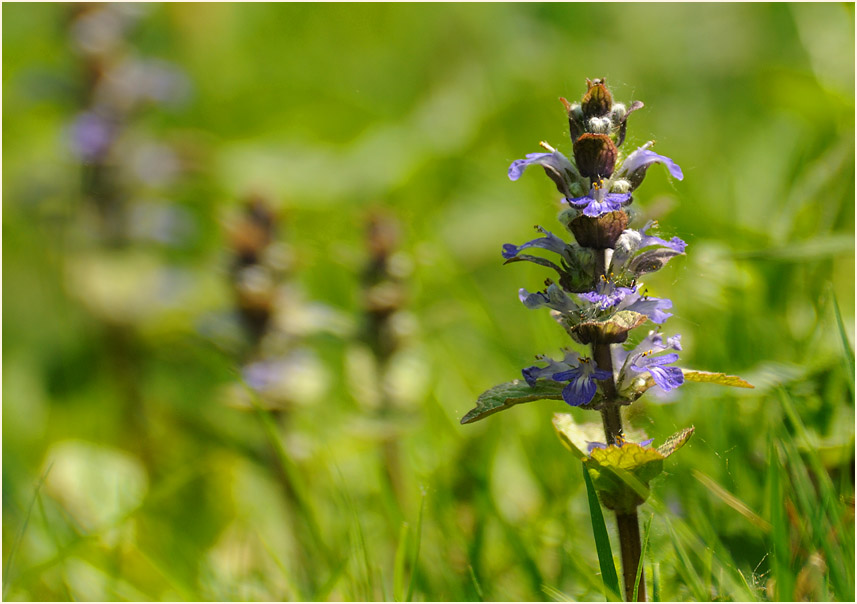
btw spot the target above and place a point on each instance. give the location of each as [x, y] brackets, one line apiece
[170, 491]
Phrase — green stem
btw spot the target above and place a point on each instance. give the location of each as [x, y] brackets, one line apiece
[627, 523]
[629, 543]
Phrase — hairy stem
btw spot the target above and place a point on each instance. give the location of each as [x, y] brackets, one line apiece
[628, 524]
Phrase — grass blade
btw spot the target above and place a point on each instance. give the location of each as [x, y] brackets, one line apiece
[476, 584]
[642, 557]
[656, 582]
[20, 536]
[821, 507]
[399, 562]
[780, 529]
[846, 345]
[556, 594]
[686, 569]
[602, 542]
[731, 500]
[415, 553]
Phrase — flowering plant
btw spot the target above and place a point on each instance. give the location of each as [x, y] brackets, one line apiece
[598, 298]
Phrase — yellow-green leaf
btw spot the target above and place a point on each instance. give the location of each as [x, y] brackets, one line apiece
[574, 435]
[675, 442]
[629, 456]
[692, 375]
[622, 474]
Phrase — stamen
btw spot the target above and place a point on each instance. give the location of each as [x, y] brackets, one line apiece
[544, 145]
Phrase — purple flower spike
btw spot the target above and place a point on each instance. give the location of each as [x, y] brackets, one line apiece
[91, 136]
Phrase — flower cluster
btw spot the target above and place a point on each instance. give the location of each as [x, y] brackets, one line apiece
[598, 296]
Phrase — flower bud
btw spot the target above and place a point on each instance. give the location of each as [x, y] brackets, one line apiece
[611, 331]
[620, 186]
[597, 101]
[600, 125]
[575, 118]
[595, 155]
[601, 232]
[623, 121]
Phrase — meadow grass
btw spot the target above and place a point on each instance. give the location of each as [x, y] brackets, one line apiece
[130, 473]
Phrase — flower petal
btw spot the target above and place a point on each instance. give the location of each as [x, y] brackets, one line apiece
[561, 171]
[579, 391]
[653, 308]
[635, 165]
[549, 242]
[553, 298]
[668, 378]
[593, 207]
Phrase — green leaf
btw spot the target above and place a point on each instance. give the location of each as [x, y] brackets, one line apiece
[536, 260]
[510, 394]
[602, 541]
[622, 474]
[642, 557]
[843, 335]
[675, 442]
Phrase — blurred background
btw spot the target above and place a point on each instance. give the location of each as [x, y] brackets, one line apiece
[252, 281]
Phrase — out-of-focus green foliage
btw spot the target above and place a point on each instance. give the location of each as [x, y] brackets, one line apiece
[137, 466]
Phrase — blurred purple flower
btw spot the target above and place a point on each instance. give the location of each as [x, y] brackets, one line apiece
[91, 136]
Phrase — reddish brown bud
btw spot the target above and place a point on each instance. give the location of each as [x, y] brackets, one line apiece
[595, 155]
[601, 232]
[597, 101]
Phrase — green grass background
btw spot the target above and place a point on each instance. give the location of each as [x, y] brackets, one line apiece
[138, 482]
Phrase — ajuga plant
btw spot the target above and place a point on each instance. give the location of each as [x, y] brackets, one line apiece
[384, 297]
[597, 296]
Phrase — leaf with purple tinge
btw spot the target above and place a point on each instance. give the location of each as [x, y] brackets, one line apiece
[510, 394]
